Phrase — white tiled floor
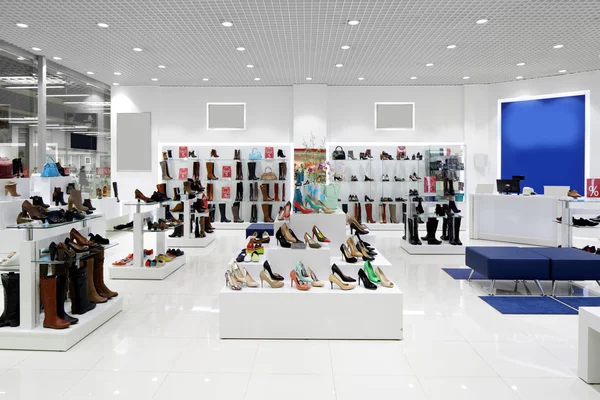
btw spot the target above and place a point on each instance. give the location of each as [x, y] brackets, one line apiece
[165, 345]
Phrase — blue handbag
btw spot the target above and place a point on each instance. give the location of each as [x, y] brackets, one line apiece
[50, 169]
[255, 155]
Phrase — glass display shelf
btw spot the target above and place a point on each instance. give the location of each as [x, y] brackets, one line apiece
[152, 203]
[40, 225]
[146, 230]
[45, 258]
[10, 268]
[434, 215]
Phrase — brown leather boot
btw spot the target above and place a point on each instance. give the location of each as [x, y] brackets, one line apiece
[162, 188]
[187, 187]
[276, 188]
[239, 174]
[93, 296]
[369, 211]
[11, 187]
[255, 191]
[209, 190]
[48, 296]
[196, 170]
[283, 191]
[213, 153]
[382, 216]
[356, 216]
[207, 225]
[178, 208]
[210, 171]
[101, 287]
[266, 214]
[80, 240]
[264, 189]
[165, 171]
[393, 219]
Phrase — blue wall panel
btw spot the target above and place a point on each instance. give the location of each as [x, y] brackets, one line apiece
[545, 141]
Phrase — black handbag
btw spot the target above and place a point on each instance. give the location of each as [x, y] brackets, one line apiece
[338, 154]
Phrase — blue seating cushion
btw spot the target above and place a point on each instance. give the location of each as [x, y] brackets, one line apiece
[570, 264]
[507, 263]
[264, 227]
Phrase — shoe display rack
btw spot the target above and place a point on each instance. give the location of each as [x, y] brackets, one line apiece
[138, 270]
[569, 208]
[30, 334]
[229, 194]
[336, 311]
[374, 186]
[189, 238]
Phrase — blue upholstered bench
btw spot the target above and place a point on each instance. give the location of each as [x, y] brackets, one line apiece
[507, 263]
[263, 227]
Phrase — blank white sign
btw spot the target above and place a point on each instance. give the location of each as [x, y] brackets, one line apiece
[226, 116]
[134, 142]
[394, 116]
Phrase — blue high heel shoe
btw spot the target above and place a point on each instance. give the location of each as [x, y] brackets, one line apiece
[302, 274]
[312, 205]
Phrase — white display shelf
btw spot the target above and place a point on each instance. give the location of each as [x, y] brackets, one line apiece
[22, 189]
[41, 338]
[191, 242]
[425, 248]
[227, 226]
[42, 186]
[146, 273]
[380, 260]
[335, 314]
[331, 225]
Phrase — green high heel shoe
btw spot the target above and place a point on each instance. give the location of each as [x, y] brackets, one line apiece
[302, 274]
[311, 204]
[371, 272]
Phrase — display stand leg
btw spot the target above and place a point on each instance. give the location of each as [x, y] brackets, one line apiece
[566, 237]
[138, 240]
[29, 299]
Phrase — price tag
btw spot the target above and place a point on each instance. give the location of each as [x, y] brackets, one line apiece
[183, 151]
[226, 171]
[430, 184]
[269, 152]
[225, 192]
[592, 188]
[183, 174]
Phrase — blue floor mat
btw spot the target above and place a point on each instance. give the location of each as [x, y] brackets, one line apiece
[577, 302]
[527, 305]
[463, 273]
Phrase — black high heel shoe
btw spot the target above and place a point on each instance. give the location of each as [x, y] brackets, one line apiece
[367, 245]
[365, 280]
[53, 250]
[346, 255]
[336, 271]
[281, 240]
[370, 252]
[367, 198]
[274, 276]
[294, 235]
[358, 229]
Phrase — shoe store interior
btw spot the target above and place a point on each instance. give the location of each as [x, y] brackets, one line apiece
[226, 199]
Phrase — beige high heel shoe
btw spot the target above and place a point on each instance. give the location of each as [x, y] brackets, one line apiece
[285, 230]
[236, 271]
[326, 209]
[342, 285]
[312, 243]
[385, 282]
[264, 277]
[350, 219]
[316, 282]
[353, 249]
[250, 282]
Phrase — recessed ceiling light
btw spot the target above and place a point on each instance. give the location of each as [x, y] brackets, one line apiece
[558, 46]
[345, 47]
[257, 79]
[22, 25]
[227, 24]
[520, 64]
[116, 73]
[137, 49]
[90, 73]
[481, 21]
[562, 71]
[429, 65]
[36, 49]
[204, 79]
[102, 25]
[308, 78]
[20, 58]
[154, 79]
[360, 78]
[58, 73]
[519, 77]
[451, 46]
[413, 77]
[353, 22]
[466, 77]
[339, 65]
[249, 66]
[240, 48]
[115, 84]
[57, 58]
[162, 66]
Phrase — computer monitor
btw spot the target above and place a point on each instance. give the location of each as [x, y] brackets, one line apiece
[518, 177]
[507, 186]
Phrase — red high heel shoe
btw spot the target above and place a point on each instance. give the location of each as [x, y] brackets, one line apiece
[299, 285]
[287, 209]
[301, 208]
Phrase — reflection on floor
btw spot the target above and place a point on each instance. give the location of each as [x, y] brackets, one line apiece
[165, 345]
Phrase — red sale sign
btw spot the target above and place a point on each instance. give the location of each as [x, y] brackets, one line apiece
[225, 192]
[183, 151]
[183, 174]
[592, 188]
[269, 152]
[226, 171]
[430, 184]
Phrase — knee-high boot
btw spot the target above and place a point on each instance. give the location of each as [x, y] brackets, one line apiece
[48, 296]
[266, 213]
[236, 212]
[369, 212]
[416, 230]
[456, 224]
[222, 211]
[276, 189]
[445, 235]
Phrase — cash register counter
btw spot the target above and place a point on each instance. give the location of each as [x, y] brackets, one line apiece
[515, 218]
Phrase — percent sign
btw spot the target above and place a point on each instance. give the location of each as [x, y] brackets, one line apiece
[593, 190]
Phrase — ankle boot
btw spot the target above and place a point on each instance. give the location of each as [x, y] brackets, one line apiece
[369, 211]
[445, 229]
[276, 189]
[170, 153]
[162, 188]
[416, 231]
[393, 219]
[252, 171]
[213, 153]
[453, 208]
[115, 191]
[236, 154]
[209, 191]
[88, 203]
[57, 190]
[222, 212]
[280, 153]
[196, 170]
[239, 174]
[236, 212]
[93, 295]
[177, 232]
[264, 189]
[75, 201]
[419, 207]
[187, 187]
[266, 213]
[48, 297]
[210, 171]
[432, 224]
[456, 225]
[165, 171]
[176, 195]
[11, 314]
[254, 214]
[451, 239]
[61, 295]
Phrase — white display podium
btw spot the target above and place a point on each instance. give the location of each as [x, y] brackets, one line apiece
[333, 225]
[589, 344]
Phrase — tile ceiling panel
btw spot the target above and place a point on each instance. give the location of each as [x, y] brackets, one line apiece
[289, 40]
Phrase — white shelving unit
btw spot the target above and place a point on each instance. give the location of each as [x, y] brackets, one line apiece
[189, 239]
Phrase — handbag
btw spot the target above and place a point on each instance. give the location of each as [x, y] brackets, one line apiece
[255, 154]
[331, 192]
[50, 169]
[338, 154]
[204, 201]
[6, 168]
[268, 175]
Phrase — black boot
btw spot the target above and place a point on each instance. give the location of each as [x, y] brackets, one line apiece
[11, 316]
[239, 193]
[410, 232]
[235, 210]
[251, 193]
[452, 205]
[78, 290]
[281, 178]
[211, 212]
[456, 225]
[345, 208]
[432, 224]
[222, 212]
[451, 231]
[177, 232]
[252, 171]
[451, 187]
[444, 229]
[116, 191]
[239, 174]
[416, 231]
[254, 213]
[197, 230]
[61, 295]
[280, 153]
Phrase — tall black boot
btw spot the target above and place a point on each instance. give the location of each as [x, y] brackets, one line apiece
[451, 231]
[416, 230]
[61, 295]
[211, 212]
[419, 208]
[222, 212]
[432, 224]
[237, 192]
[254, 213]
[444, 229]
[235, 210]
[116, 191]
[251, 193]
[456, 224]
[451, 187]
[12, 308]
[252, 171]
[281, 178]
[197, 230]
[345, 208]
[409, 231]
[78, 290]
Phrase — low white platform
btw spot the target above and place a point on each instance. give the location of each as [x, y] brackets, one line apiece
[146, 273]
[425, 248]
[41, 338]
[191, 242]
[266, 313]
[282, 259]
[227, 226]
[589, 344]
[333, 226]
[380, 260]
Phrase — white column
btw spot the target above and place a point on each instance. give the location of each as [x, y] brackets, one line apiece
[41, 106]
[310, 114]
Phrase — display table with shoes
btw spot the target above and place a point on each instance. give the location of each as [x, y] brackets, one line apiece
[335, 225]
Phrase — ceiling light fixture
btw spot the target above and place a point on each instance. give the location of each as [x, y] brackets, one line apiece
[353, 22]
[33, 87]
[257, 79]
[116, 73]
[205, 79]
[519, 77]
[36, 49]
[345, 47]
[451, 46]
[481, 21]
[429, 65]
[558, 46]
[90, 73]
[466, 77]
[154, 79]
[360, 78]
[240, 48]
[67, 95]
[562, 71]
[102, 25]
[162, 66]
[339, 65]
[227, 24]
[413, 77]
[520, 64]
[249, 66]
[137, 49]
[57, 58]
[21, 58]
[22, 25]
[308, 78]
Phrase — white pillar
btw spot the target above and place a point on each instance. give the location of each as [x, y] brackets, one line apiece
[41, 106]
[310, 114]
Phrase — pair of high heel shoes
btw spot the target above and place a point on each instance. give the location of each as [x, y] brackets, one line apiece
[315, 205]
[284, 212]
[304, 277]
[238, 276]
[370, 276]
[285, 236]
[312, 243]
[247, 256]
[352, 251]
[356, 226]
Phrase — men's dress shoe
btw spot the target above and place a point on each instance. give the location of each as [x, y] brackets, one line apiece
[574, 194]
